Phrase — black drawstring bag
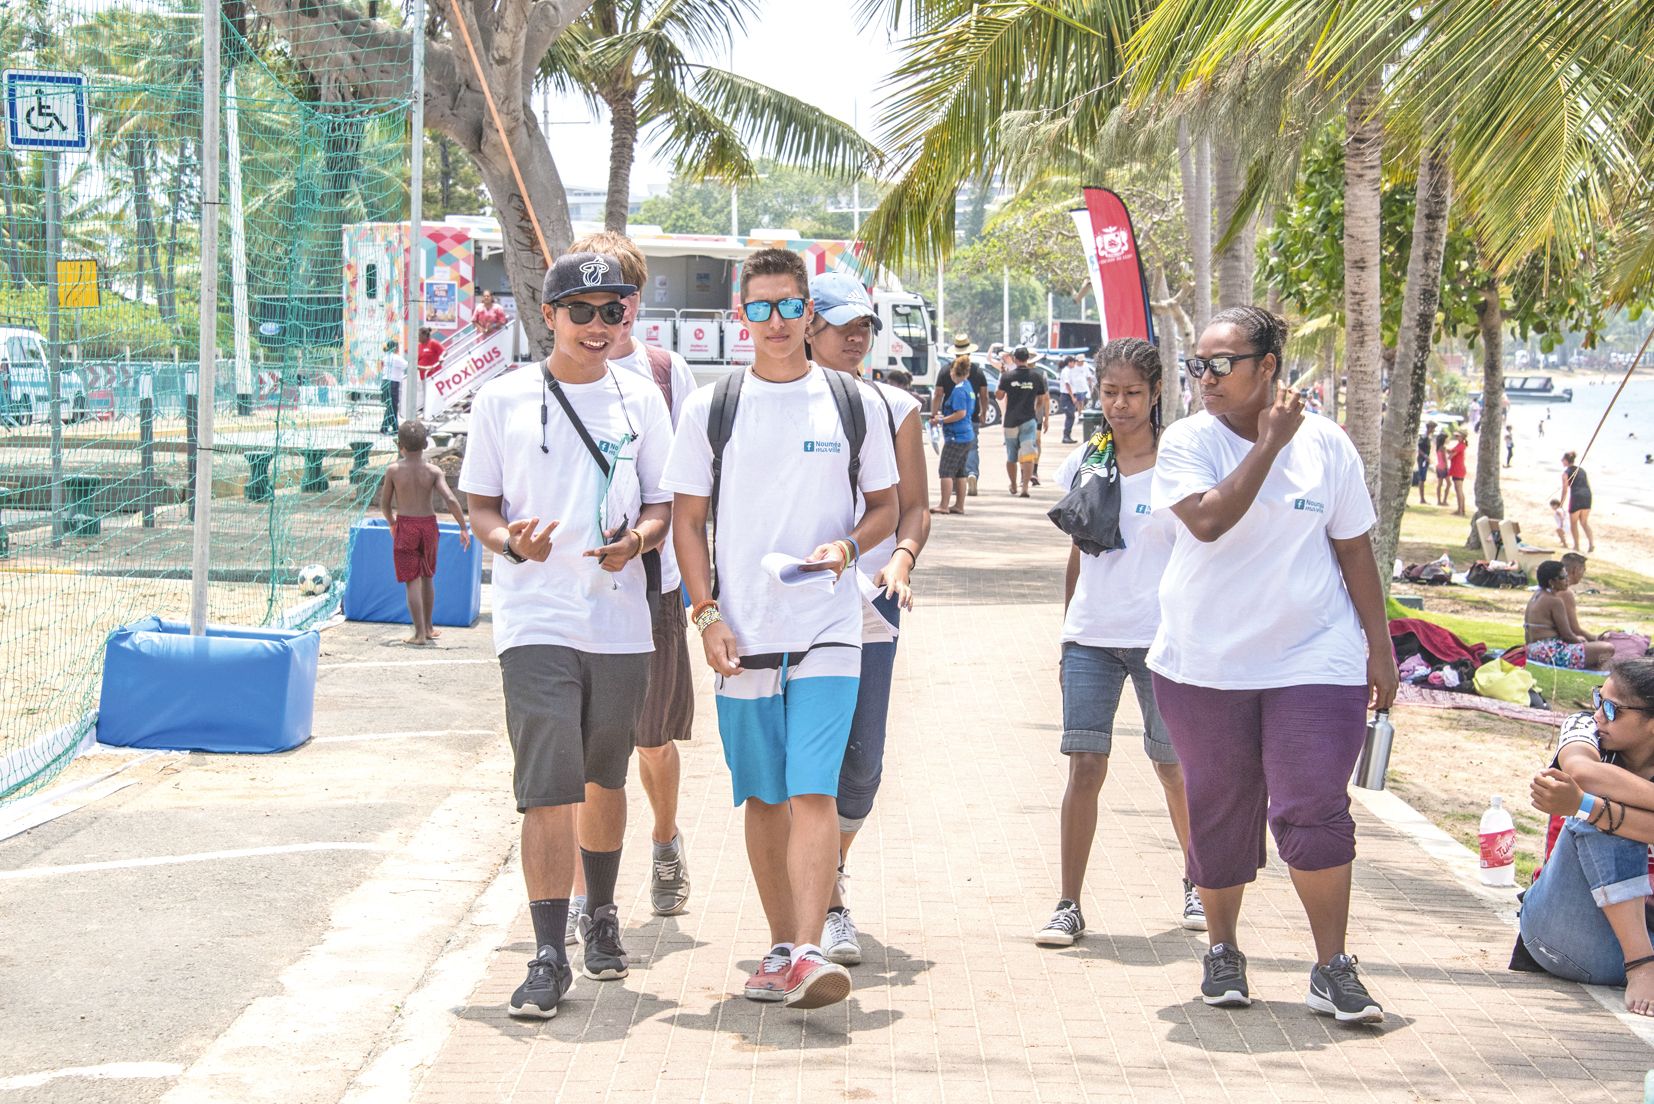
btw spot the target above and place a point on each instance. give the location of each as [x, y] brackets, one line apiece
[1090, 511]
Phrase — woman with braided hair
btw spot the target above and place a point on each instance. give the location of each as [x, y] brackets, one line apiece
[1113, 609]
[1272, 645]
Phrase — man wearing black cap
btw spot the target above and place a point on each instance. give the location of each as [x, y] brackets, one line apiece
[563, 471]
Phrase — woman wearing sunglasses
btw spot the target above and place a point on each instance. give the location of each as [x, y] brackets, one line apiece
[1272, 644]
[1585, 919]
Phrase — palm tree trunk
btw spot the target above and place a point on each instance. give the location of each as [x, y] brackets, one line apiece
[166, 292]
[1490, 318]
[1414, 343]
[622, 150]
[137, 162]
[8, 232]
[1235, 260]
[1193, 162]
[1329, 372]
[1363, 166]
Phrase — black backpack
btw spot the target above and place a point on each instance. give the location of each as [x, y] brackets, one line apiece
[720, 424]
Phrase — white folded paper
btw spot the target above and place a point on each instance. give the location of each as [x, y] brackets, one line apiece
[791, 571]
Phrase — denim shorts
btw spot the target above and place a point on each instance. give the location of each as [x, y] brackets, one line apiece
[1022, 442]
[1092, 682]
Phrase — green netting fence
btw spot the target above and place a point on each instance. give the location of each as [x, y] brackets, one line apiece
[95, 516]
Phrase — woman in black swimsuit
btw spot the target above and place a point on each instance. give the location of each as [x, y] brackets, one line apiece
[1576, 492]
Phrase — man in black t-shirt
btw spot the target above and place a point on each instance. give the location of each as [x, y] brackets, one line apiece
[962, 346]
[1027, 412]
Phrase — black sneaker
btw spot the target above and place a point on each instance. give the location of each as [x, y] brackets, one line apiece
[605, 958]
[1225, 982]
[1335, 990]
[547, 981]
[1065, 926]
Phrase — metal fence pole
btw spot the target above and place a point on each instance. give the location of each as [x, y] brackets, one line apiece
[208, 391]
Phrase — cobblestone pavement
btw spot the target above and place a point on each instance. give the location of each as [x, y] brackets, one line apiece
[955, 869]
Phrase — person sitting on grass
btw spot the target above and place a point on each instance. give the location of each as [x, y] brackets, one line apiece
[406, 501]
[1584, 919]
[1551, 627]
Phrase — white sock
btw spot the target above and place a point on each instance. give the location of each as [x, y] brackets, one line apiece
[806, 948]
[782, 949]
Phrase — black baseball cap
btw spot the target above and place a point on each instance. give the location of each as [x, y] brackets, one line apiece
[579, 273]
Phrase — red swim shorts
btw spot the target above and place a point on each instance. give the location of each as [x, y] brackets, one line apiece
[413, 547]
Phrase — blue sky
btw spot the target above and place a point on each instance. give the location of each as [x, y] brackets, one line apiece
[811, 49]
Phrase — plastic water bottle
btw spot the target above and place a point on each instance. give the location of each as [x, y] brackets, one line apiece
[1498, 845]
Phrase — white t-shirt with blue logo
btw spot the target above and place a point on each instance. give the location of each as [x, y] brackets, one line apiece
[1264, 605]
[785, 488]
[1116, 601]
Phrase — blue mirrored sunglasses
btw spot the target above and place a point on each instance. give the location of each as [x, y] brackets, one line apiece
[1610, 708]
[758, 310]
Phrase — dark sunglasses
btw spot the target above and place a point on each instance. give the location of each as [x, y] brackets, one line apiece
[759, 309]
[612, 314]
[1219, 366]
[1611, 708]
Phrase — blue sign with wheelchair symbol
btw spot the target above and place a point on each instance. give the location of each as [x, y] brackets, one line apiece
[46, 110]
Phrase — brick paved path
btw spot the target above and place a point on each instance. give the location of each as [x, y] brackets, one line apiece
[957, 866]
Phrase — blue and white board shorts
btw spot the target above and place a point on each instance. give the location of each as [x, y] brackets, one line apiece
[785, 721]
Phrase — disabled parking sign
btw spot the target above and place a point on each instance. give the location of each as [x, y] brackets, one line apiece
[46, 110]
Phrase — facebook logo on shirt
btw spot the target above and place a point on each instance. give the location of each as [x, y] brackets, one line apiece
[1309, 504]
[821, 446]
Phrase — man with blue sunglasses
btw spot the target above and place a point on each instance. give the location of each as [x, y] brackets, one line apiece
[783, 480]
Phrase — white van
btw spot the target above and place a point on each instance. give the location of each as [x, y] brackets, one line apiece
[25, 382]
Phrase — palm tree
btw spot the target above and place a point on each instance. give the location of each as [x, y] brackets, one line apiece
[633, 58]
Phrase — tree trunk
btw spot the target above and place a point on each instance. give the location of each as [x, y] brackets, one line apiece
[1414, 343]
[166, 291]
[511, 36]
[622, 150]
[137, 163]
[1490, 318]
[1329, 371]
[14, 251]
[1175, 341]
[1194, 166]
[1235, 260]
[445, 176]
[1363, 166]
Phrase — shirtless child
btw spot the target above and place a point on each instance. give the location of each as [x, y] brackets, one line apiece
[406, 500]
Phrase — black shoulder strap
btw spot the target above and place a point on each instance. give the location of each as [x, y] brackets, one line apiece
[579, 426]
[720, 424]
[852, 417]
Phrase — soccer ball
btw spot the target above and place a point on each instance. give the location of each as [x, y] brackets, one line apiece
[314, 579]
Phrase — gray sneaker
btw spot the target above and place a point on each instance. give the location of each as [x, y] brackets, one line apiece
[1194, 913]
[537, 997]
[669, 882]
[605, 959]
[841, 939]
[1225, 982]
[1335, 990]
[577, 912]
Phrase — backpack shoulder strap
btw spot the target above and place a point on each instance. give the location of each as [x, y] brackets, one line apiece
[852, 416]
[720, 424]
[660, 366]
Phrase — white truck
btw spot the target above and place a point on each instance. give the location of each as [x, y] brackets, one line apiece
[26, 384]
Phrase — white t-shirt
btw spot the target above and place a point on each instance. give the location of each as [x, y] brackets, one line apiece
[1264, 605]
[786, 488]
[683, 385]
[568, 600]
[1077, 377]
[396, 367]
[902, 406]
[1116, 601]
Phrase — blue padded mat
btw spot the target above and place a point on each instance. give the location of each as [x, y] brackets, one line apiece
[373, 594]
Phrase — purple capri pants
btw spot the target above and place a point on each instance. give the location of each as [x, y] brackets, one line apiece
[1281, 756]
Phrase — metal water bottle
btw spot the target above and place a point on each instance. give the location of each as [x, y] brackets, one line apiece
[1375, 752]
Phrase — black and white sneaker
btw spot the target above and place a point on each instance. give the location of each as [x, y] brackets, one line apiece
[605, 959]
[1065, 926]
[1194, 913]
[669, 879]
[537, 997]
[1225, 982]
[577, 913]
[1335, 990]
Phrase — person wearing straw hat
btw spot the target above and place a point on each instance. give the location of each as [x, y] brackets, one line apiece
[963, 346]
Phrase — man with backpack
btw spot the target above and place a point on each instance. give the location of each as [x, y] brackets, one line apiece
[669, 705]
[774, 456]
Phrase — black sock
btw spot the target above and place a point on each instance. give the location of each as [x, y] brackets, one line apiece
[602, 869]
[551, 920]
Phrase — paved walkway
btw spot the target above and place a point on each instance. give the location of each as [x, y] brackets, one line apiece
[957, 866]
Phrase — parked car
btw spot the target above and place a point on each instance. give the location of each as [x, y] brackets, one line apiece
[25, 382]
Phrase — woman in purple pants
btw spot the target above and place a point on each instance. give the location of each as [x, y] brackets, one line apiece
[1272, 645]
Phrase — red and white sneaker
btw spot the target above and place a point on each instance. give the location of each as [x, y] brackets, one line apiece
[813, 982]
[770, 982]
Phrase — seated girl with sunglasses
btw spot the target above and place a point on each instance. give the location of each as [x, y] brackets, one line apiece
[1585, 918]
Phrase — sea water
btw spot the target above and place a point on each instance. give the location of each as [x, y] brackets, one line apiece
[1616, 464]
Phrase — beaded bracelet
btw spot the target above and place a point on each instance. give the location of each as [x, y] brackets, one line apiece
[707, 619]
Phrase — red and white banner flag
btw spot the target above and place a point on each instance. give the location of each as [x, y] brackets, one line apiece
[1117, 280]
[462, 373]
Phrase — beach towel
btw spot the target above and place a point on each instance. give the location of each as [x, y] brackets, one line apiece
[1627, 645]
[1409, 694]
[1411, 636]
